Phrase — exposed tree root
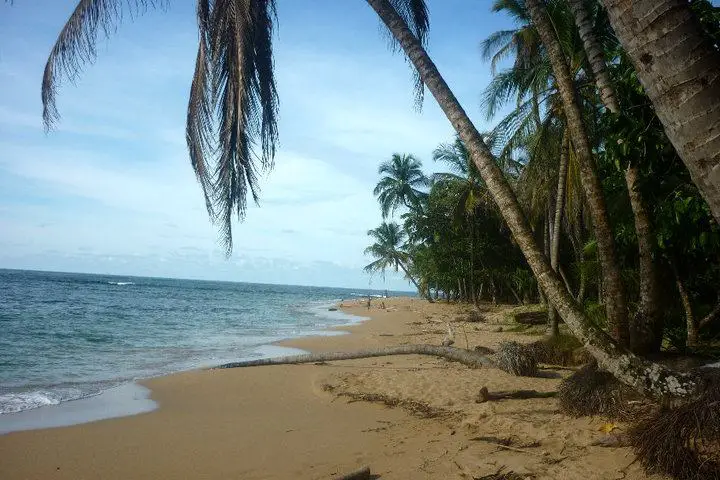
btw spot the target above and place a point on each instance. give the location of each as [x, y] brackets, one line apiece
[516, 358]
[466, 357]
[682, 441]
[590, 391]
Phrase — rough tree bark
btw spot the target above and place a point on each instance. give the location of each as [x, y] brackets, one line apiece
[615, 303]
[646, 328]
[646, 377]
[553, 327]
[680, 70]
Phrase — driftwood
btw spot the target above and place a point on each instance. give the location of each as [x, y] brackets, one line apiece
[505, 443]
[465, 357]
[485, 396]
[360, 474]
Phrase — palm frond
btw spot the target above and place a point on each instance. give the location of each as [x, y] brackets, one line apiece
[76, 44]
[244, 100]
[415, 15]
[231, 128]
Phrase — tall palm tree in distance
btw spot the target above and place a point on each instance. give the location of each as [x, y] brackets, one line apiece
[402, 178]
[388, 251]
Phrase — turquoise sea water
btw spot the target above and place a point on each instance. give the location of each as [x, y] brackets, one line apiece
[66, 336]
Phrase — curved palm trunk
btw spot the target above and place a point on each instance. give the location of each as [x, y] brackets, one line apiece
[646, 377]
[680, 70]
[615, 304]
[553, 327]
[646, 330]
[412, 279]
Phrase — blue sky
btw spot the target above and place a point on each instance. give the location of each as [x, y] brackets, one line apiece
[111, 190]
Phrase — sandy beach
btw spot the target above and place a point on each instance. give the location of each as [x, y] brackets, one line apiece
[317, 421]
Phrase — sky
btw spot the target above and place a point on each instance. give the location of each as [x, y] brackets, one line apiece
[111, 189]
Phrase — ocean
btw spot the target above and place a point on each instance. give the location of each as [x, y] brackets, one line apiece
[70, 336]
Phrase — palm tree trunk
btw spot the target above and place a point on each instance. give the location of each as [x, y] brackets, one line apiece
[470, 358]
[690, 322]
[646, 330]
[680, 70]
[595, 55]
[615, 304]
[646, 377]
[420, 290]
[553, 328]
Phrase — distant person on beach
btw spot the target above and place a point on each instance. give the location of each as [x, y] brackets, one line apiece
[368, 302]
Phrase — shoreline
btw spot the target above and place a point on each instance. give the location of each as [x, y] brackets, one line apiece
[127, 398]
[320, 421]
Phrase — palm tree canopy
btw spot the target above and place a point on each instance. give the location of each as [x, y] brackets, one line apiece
[400, 183]
[387, 249]
[231, 129]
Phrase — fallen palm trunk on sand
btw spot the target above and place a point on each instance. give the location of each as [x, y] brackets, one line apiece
[466, 357]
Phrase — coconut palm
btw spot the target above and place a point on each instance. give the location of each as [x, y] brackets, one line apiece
[679, 66]
[233, 87]
[646, 328]
[615, 305]
[388, 250]
[402, 178]
[625, 366]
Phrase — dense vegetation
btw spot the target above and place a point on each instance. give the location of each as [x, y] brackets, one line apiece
[455, 244]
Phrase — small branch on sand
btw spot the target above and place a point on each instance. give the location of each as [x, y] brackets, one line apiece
[360, 474]
[465, 357]
[503, 443]
[485, 396]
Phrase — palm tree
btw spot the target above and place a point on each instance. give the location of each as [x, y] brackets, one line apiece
[400, 184]
[473, 193]
[388, 251]
[646, 328]
[615, 304]
[679, 66]
[625, 366]
[239, 29]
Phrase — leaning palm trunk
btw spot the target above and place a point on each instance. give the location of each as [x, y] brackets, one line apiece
[553, 328]
[646, 377]
[680, 70]
[646, 329]
[615, 305]
[421, 291]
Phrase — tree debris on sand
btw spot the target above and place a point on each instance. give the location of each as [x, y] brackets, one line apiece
[359, 474]
[682, 441]
[517, 359]
[590, 391]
